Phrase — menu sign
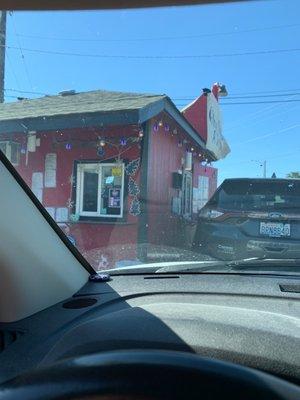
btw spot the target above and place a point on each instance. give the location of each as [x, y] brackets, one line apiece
[114, 198]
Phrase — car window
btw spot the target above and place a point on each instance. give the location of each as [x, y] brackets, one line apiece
[239, 195]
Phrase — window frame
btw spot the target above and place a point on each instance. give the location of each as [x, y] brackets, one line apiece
[187, 177]
[8, 151]
[97, 167]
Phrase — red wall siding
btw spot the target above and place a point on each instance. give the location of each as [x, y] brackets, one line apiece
[196, 114]
[165, 228]
[210, 172]
[94, 240]
[165, 158]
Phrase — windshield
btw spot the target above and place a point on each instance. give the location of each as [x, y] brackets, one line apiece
[159, 135]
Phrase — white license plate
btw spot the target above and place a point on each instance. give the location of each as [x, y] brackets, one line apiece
[275, 229]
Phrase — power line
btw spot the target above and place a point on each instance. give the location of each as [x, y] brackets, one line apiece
[21, 51]
[11, 97]
[175, 99]
[25, 91]
[182, 105]
[242, 97]
[155, 57]
[260, 102]
[267, 135]
[265, 91]
[202, 35]
[265, 113]
[251, 102]
[261, 114]
[12, 69]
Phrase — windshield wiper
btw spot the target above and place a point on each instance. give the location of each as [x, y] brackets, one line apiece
[259, 264]
[255, 264]
[266, 265]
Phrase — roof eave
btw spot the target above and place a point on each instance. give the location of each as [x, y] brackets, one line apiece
[173, 111]
[70, 121]
[166, 104]
[84, 120]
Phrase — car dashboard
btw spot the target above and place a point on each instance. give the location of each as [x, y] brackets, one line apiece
[251, 320]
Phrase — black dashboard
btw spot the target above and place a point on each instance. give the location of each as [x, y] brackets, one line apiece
[247, 319]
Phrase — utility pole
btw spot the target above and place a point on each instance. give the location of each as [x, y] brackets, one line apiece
[2, 52]
[262, 164]
[265, 168]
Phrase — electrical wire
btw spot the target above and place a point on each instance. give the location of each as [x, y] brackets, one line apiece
[154, 57]
[265, 91]
[21, 51]
[174, 99]
[12, 69]
[274, 133]
[260, 102]
[241, 97]
[25, 91]
[182, 105]
[252, 102]
[202, 35]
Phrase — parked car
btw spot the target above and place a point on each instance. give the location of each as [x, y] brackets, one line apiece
[251, 218]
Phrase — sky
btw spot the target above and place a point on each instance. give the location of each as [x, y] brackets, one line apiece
[153, 51]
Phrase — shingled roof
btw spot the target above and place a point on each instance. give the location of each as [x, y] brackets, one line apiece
[74, 103]
[95, 108]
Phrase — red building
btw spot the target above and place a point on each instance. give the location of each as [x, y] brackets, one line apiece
[120, 172]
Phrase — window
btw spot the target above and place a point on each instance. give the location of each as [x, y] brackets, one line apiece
[203, 185]
[11, 151]
[187, 194]
[100, 190]
[255, 195]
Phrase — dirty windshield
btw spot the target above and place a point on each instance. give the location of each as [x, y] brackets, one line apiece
[159, 135]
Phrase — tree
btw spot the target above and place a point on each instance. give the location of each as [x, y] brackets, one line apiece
[293, 175]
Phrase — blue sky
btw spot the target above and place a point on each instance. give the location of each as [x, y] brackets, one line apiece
[255, 132]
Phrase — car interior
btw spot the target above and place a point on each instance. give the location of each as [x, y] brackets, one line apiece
[68, 333]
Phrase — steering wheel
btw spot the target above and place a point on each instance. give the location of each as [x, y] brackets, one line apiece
[147, 375]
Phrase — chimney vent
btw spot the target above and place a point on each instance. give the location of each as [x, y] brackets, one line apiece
[67, 92]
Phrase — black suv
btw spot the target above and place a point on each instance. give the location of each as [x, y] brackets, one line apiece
[251, 218]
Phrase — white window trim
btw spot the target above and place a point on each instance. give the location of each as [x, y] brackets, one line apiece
[8, 144]
[96, 167]
[188, 175]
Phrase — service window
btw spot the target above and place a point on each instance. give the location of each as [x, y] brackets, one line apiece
[100, 190]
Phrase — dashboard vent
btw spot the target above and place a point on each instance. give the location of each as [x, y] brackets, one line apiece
[162, 277]
[79, 303]
[290, 288]
[7, 337]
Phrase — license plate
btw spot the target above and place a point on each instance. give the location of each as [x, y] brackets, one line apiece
[275, 229]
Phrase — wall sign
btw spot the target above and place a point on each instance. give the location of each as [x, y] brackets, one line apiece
[116, 171]
[61, 214]
[50, 170]
[114, 198]
[37, 185]
[215, 140]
